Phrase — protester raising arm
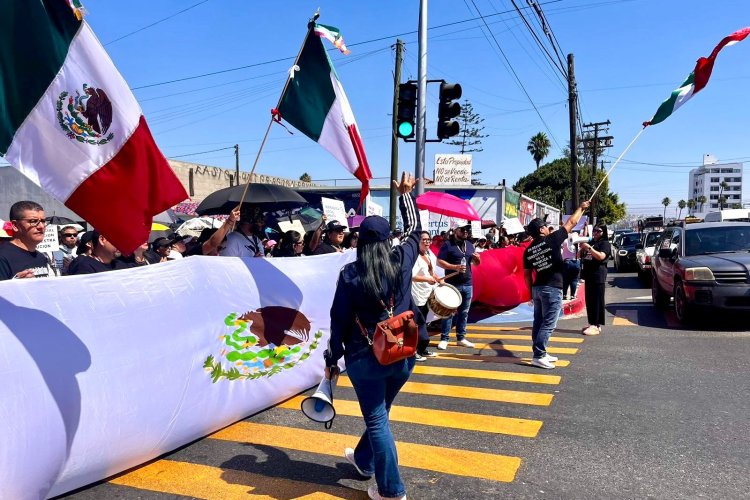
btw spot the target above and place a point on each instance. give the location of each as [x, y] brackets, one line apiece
[409, 248]
[214, 242]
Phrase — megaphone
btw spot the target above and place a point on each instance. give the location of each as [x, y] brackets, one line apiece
[574, 239]
[319, 406]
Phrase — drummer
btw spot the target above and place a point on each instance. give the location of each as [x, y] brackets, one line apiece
[423, 280]
[456, 256]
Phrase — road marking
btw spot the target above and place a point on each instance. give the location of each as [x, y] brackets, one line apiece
[495, 328]
[531, 378]
[554, 338]
[439, 418]
[206, 482]
[445, 460]
[625, 317]
[493, 359]
[459, 391]
[527, 348]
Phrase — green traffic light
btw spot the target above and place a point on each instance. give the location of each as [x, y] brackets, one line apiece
[405, 129]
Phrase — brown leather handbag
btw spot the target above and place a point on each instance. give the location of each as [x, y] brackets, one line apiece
[395, 338]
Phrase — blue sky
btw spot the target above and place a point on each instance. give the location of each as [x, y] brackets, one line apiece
[630, 54]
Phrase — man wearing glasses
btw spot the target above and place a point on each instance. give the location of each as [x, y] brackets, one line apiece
[18, 257]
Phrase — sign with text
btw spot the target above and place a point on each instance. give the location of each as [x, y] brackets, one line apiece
[373, 208]
[50, 243]
[334, 210]
[476, 228]
[453, 169]
[295, 225]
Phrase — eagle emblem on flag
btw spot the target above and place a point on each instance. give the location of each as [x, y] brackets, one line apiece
[85, 116]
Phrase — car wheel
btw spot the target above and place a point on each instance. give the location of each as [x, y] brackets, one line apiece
[681, 306]
[658, 297]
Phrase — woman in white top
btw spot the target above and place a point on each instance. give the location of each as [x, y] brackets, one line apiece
[422, 282]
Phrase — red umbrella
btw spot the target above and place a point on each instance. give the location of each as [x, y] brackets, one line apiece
[448, 205]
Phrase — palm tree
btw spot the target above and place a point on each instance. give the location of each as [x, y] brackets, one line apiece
[722, 201]
[691, 206]
[722, 186]
[539, 147]
[701, 199]
[666, 201]
[682, 204]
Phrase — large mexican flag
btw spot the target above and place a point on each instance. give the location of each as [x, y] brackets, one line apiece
[70, 123]
[315, 104]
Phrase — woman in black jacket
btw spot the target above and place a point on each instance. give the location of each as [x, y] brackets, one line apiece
[378, 281]
[594, 257]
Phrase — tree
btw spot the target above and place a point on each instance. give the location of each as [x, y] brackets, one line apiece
[305, 177]
[701, 200]
[538, 147]
[470, 137]
[666, 201]
[682, 204]
[691, 206]
[722, 186]
[736, 205]
[722, 202]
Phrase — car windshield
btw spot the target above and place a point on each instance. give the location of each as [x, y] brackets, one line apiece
[651, 239]
[629, 239]
[729, 238]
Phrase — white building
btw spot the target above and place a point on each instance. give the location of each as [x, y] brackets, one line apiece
[706, 181]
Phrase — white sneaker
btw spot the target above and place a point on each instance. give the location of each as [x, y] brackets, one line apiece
[443, 345]
[591, 330]
[349, 455]
[372, 492]
[550, 358]
[542, 363]
[465, 343]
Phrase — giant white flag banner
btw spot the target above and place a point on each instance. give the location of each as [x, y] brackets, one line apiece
[103, 372]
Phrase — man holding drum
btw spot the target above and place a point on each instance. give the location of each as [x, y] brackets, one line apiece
[457, 254]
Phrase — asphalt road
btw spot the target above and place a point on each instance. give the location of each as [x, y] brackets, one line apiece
[648, 409]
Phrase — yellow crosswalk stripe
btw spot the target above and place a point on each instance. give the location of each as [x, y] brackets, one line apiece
[531, 378]
[449, 356]
[459, 391]
[495, 328]
[214, 483]
[521, 348]
[553, 338]
[444, 460]
[625, 317]
[439, 418]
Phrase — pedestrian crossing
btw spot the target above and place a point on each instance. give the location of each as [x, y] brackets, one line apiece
[479, 393]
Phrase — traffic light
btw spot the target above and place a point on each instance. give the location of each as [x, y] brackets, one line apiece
[407, 110]
[448, 109]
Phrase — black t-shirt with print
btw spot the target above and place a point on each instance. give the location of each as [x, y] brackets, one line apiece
[544, 255]
[14, 259]
[595, 271]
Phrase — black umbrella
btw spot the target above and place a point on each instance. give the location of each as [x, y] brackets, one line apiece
[60, 221]
[270, 195]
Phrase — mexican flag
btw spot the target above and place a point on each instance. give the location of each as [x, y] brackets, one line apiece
[696, 81]
[314, 102]
[69, 122]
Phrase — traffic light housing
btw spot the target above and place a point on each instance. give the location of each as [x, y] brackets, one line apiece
[407, 110]
[448, 109]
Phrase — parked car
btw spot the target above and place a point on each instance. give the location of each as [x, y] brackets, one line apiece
[644, 253]
[703, 265]
[624, 251]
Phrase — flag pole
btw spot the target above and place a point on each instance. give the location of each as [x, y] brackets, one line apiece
[290, 75]
[616, 162]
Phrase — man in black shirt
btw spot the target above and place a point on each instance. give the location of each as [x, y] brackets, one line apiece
[543, 267]
[333, 240]
[103, 258]
[18, 257]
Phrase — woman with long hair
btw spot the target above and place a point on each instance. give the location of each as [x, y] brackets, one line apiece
[594, 256]
[368, 289]
[291, 245]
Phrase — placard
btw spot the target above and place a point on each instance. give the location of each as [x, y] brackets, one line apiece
[513, 226]
[334, 210]
[453, 170]
[372, 208]
[51, 242]
[476, 228]
[295, 225]
[424, 219]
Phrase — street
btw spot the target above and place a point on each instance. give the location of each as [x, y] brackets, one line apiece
[647, 409]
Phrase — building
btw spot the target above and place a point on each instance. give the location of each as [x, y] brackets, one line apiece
[706, 181]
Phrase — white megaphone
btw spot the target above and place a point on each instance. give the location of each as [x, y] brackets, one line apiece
[319, 406]
[574, 239]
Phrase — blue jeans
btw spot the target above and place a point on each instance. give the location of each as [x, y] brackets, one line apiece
[547, 307]
[461, 316]
[570, 276]
[376, 387]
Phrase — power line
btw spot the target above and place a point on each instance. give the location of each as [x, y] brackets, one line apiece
[202, 152]
[154, 23]
[552, 61]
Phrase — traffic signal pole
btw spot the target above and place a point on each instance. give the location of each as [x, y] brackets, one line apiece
[421, 98]
[394, 136]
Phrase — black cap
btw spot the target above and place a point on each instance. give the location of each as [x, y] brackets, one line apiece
[335, 225]
[161, 242]
[374, 228]
[535, 227]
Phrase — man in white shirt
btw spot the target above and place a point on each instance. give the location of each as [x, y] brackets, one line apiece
[246, 240]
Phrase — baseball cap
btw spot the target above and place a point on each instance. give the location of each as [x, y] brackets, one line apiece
[161, 242]
[335, 225]
[374, 228]
[534, 228]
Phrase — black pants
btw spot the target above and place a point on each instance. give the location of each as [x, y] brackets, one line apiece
[595, 302]
[424, 337]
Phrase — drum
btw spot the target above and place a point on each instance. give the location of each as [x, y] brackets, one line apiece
[444, 300]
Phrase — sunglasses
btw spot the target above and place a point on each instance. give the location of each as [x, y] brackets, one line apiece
[69, 235]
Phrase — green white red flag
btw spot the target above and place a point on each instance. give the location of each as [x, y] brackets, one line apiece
[696, 81]
[314, 102]
[69, 122]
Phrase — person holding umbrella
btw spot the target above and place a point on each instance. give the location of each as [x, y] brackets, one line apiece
[247, 239]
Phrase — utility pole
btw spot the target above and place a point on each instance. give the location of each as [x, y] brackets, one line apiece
[394, 137]
[596, 143]
[421, 98]
[236, 164]
[572, 114]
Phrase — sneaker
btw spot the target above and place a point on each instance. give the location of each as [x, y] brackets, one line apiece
[550, 358]
[373, 493]
[465, 343]
[419, 357]
[428, 354]
[591, 330]
[542, 363]
[349, 455]
[443, 345]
